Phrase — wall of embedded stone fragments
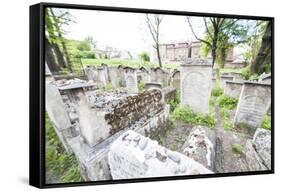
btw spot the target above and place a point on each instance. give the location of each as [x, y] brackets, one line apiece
[133, 108]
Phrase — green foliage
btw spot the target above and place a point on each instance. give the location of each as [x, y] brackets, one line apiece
[217, 90]
[237, 149]
[61, 164]
[174, 102]
[144, 56]
[248, 75]
[187, 115]
[227, 102]
[84, 45]
[108, 87]
[141, 86]
[266, 123]
[225, 118]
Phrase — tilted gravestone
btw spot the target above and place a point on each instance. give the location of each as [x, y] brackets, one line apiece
[135, 156]
[196, 86]
[254, 102]
[233, 88]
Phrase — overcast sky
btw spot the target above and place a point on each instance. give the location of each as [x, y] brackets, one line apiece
[128, 31]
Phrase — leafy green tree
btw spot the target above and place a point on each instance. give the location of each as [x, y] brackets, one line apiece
[144, 56]
[56, 44]
[221, 34]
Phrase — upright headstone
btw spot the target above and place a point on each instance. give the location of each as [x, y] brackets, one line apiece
[57, 110]
[224, 79]
[175, 80]
[131, 79]
[233, 88]
[135, 156]
[196, 84]
[254, 101]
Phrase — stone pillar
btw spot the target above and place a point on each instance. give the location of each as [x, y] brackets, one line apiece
[254, 101]
[196, 86]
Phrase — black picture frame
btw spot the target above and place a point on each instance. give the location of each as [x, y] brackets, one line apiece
[37, 94]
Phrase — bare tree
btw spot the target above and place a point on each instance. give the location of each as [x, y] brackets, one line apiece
[153, 22]
[213, 27]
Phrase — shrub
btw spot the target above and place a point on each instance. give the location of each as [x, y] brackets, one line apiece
[266, 123]
[174, 102]
[144, 56]
[58, 161]
[108, 87]
[187, 115]
[217, 90]
[141, 86]
[237, 149]
[227, 102]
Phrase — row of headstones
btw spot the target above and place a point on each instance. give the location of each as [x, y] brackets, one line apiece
[196, 86]
[130, 77]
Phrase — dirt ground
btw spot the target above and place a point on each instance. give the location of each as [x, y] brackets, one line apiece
[231, 161]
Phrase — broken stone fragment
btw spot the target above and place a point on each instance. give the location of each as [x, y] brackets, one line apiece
[154, 161]
[200, 146]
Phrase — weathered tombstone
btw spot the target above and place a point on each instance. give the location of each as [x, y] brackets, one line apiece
[57, 111]
[213, 82]
[233, 88]
[265, 78]
[196, 84]
[135, 156]
[144, 75]
[200, 146]
[101, 76]
[254, 101]
[152, 85]
[114, 76]
[131, 79]
[258, 150]
[224, 79]
[159, 75]
[176, 80]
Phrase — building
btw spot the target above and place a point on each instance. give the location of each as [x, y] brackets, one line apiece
[176, 52]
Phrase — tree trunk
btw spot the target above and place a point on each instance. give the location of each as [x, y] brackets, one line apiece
[158, 55]
[50, 57]
[263, 57]
[59, 55]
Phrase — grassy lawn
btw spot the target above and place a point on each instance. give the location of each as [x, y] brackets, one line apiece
[131, 63]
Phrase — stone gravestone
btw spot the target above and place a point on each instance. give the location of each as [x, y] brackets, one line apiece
[57, 111]
[196, 86]
[200, 146]
[233, 88]
[131, 79]
[176, 80]
[224, 79]
[92, 125]
[135, 156]
[254, 101]
[114, 77]
[258, 150]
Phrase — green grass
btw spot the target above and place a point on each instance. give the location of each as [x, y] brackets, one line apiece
[229, 70]
[217, 90]
[187, 115]
[237, 149]
[174, 102]
[130, 63]
[141, 86]
[62, 165]
[266, 124]
[227, 102]
[108, 87]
